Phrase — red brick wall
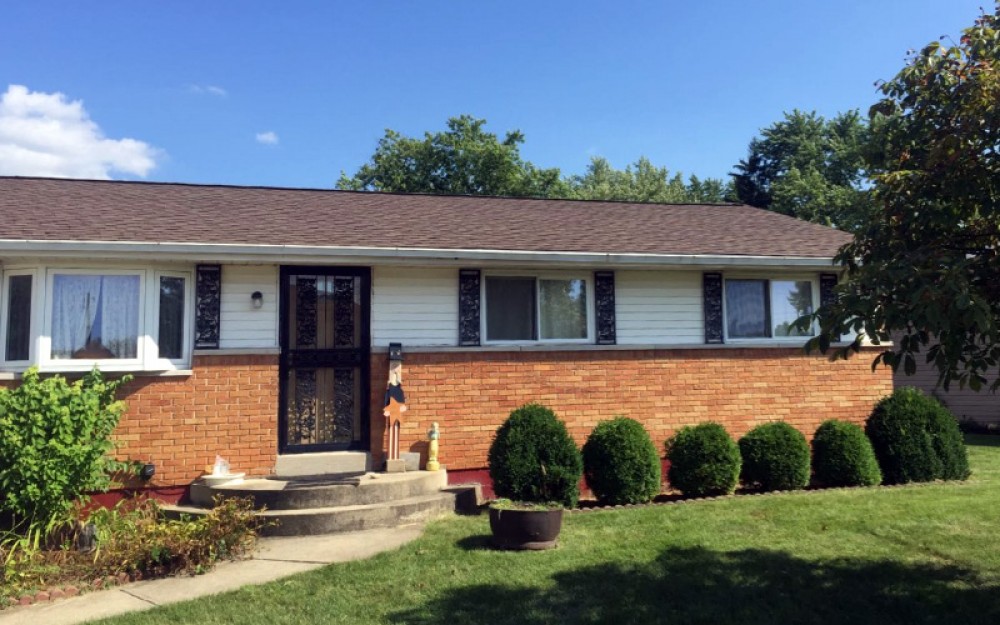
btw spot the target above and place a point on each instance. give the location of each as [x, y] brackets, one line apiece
[470, 393]
[228, 406]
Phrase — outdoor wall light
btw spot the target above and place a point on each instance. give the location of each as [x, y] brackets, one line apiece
[257, 298]
[147, 471]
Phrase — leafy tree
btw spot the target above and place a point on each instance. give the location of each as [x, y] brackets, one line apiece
[808, 167]
[644, 182]
[926, 265]
[465, 160]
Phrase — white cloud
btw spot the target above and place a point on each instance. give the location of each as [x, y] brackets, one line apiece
[44, 134]
[267, 138]
[209, 89]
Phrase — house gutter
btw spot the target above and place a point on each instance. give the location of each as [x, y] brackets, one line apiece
[302, 254]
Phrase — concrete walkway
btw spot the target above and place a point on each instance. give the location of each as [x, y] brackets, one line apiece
[275, 558]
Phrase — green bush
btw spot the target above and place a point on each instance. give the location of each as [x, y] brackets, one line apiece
[620, 462]
[54, 443]
[775, 457]
[533, 459]
[948, 443]
[916, 439]
[704, 461]
[843, 456]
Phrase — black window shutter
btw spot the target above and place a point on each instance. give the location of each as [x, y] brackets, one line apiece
[712, 293]
[827, 284]
[604, 298]
[468, 307]
[208, 298]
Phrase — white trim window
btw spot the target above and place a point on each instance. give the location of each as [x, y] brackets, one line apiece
[116, 319]
[538, 308]
[18, 313]
[760, 308]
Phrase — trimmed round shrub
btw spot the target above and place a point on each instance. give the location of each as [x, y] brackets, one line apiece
[620, 462]
[916, 439]
[949, 445]
[533, 458]
[775, 457]
[843, 456]
[704, 461]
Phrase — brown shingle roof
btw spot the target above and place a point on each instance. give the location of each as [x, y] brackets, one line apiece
[85, 210]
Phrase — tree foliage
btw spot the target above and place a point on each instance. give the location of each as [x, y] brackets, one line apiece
[808, 167]
[465, 159]
[925, 266]
[644, 182]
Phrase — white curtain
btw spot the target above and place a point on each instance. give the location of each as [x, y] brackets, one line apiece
[75, 300]
[120, 315]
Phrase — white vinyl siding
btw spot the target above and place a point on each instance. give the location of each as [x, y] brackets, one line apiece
[241, 325]
[415, 306]
[659, 307]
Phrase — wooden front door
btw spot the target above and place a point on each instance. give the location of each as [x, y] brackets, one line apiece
[325, 359]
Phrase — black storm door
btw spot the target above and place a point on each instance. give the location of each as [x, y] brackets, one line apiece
[324, 367]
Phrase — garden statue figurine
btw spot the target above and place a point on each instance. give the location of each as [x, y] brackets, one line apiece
[432, 448]
[395, 406]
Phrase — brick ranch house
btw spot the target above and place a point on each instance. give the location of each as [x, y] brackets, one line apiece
[257, 320]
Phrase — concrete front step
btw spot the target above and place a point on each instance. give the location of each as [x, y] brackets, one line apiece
[324, 491]
[324, 463]
[329, 520]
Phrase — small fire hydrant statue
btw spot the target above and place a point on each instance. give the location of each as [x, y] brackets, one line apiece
[432, 448]
[395, 406]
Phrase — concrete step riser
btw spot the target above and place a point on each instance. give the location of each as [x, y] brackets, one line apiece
[294, 465]
[370, 492]
[353, 520]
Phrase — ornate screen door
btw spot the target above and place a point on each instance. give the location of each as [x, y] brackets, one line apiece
[324, 334]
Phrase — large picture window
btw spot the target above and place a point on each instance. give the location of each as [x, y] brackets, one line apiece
[95, 316]
[117, 319]
[758, 308]
[520, 308]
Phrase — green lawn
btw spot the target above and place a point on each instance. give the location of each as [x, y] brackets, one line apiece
[918, 554]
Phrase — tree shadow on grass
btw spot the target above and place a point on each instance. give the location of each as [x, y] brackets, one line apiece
[696, 585]
[983, 440]
[478, 542]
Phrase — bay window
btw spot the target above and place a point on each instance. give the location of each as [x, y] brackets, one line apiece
[537, 308]
[116, 319]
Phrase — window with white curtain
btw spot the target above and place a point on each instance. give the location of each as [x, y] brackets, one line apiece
[761, 308]
[116, 319]
[95, 316]
[537, 308]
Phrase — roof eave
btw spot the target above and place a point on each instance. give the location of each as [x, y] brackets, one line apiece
[303, 254]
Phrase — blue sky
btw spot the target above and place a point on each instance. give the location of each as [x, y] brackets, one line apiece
[291, 93]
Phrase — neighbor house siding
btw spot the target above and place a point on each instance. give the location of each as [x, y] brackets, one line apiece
[659, 307]
[241, 325]
[415, 306]
[470, 393]
[982, 406]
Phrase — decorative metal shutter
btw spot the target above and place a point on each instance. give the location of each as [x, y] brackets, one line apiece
[469, 306]
[604, 298]
[208, 297]
[712, 293]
